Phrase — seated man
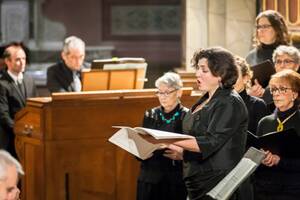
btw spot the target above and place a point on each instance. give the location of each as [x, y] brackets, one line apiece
[15, 88]
[10, 170]
[65, 76]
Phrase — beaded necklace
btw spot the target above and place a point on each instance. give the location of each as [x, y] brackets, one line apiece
[168, 121]
[280, 123]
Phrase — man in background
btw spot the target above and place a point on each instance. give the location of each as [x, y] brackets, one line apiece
[65, 76]
[15, 88]
[10, 170]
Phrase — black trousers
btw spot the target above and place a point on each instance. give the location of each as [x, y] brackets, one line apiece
[160, 191]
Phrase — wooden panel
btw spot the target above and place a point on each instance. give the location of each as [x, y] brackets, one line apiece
[30, 123]
[97, 80]
[115, 79]
[73, 158]
[30, 152]
[123, 79]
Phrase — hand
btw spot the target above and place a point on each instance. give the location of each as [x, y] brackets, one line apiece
[174, 152]
[256, 90]
[271, 159]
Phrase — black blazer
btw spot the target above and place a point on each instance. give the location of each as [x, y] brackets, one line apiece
[220, 129]
[60, 77]
[12, 101]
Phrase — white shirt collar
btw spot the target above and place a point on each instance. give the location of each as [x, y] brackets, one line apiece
[16, 79]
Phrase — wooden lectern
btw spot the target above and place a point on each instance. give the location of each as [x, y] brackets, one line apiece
[62, 143]
[115, 74]
[115, 79]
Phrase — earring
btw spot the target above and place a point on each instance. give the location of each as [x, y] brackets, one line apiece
[221, 84]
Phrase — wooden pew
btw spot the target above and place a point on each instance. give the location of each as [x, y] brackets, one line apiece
[188, 78]
[62, 143]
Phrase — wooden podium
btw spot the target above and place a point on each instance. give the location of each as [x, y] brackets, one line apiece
[115, 74]
[62, 143]
[116, 79]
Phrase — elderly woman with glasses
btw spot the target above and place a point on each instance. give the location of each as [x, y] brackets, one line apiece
[284, 57]
[160, 177]
[279, 178]
[271, 31]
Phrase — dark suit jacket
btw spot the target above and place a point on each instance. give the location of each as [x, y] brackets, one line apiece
[60, 77]
[12, 101]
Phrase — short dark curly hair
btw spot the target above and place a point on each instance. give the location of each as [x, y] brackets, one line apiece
[221, 63]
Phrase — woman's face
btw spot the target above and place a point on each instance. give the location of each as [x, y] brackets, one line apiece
[283, 95]
[265, 32]
[206, 81]
[168, 97]
[285, 61]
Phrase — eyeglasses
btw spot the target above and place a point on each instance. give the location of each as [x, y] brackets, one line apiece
[279, 90]
[263, 26]
[164, 94]
[285, 62]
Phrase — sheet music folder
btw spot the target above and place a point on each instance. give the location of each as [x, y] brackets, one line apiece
[101, 63]
[130, 140]
[285, 143]
[247, 165]
[262, 72]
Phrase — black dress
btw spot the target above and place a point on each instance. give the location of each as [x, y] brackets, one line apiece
[257, 109]
[281, 182]
[160, 178]
[220, 128]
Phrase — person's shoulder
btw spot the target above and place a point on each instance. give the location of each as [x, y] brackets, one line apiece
[257, 100]
[228, 97]
[5, 78]
[55, 66]
[267, 119]
[251, 53]
[251, 56]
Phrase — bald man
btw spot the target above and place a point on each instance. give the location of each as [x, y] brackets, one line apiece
[15, 88]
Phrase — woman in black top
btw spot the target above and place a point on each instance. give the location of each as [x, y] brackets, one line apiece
[160, 177]
[271, 31]
[279, 178]
[218, 121]
[257, 108]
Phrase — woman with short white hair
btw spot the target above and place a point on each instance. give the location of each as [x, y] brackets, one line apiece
[160, 177]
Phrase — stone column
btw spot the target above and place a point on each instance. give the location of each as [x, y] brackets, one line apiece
[15, 20]
[194, 29]
[240, 17]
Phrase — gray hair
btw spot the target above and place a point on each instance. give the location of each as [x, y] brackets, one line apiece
[293, 52]
[73, 42]
[170, 79]
[7, 160]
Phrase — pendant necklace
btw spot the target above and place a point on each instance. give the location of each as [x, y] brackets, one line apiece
[168, 121]
[280, 123]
